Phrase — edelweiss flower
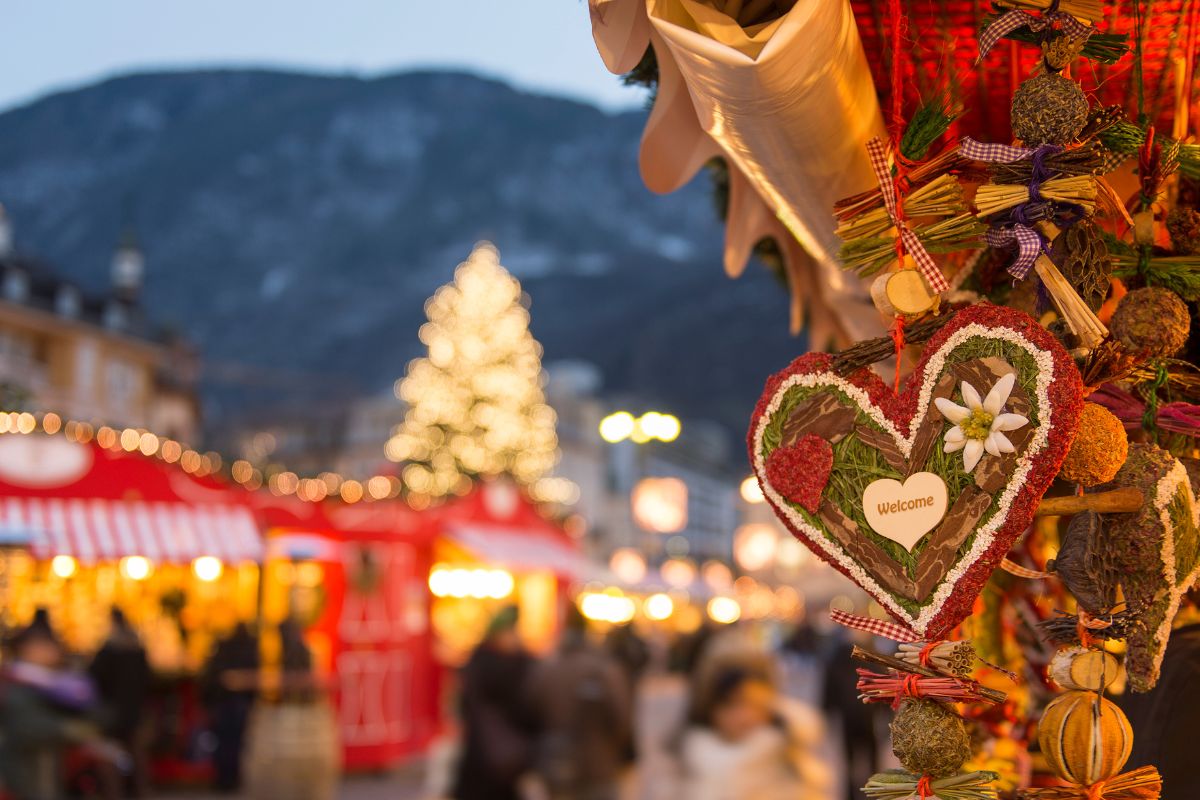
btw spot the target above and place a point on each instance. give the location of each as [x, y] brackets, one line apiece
[980, 426]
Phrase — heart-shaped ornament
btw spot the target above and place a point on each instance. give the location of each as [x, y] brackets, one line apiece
[905, 512]
[990, 412]
[1155, 554]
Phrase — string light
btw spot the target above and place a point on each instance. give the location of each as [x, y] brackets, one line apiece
[274, 477]
[475, 401]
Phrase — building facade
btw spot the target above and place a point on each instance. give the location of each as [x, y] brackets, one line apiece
[91, 356]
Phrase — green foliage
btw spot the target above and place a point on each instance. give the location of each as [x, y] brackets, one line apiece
[931, 119]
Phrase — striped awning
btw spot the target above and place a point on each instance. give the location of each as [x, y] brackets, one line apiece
[102, 530]
[518, 549]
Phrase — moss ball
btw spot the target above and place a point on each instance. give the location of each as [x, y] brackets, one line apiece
[1099, 448]
[930, 739]
[1048, 109]
[1151, 320]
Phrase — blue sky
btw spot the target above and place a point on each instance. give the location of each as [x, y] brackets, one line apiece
[539, 44]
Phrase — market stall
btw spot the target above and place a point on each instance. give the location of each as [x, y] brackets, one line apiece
[494, 549]
[101, 527]
[354, 578]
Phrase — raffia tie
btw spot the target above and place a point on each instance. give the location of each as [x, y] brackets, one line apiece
[907, 240]
[1143, 783]
[925, 787]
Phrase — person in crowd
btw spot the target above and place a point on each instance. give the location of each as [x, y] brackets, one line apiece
[632, 655]
[581, 699]
[229, 685]
[497, 748]
[1158, 717]
[122, 677]
[43, 711]
[859, 739]
[743, 741]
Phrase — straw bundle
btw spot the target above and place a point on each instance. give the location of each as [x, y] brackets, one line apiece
[867, 255]
[1078, 190]
[941, 197]
[899, 785]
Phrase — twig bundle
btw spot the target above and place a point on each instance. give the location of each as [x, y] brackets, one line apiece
[1078, 190]
[1087, 159]
[899, 665]
[900, 785]
[869, 254]
[956, 658]
[941, 197]
[1063, 628]
[868, 352]
[1087, 10]
[897, 687]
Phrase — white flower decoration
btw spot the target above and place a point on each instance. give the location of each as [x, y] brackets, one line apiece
[979, 427]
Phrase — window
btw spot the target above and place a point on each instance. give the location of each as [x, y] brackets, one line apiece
[122, 382]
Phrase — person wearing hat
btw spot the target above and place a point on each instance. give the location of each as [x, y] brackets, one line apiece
[497, 727]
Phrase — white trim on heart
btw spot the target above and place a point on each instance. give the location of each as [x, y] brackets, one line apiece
[1164, 492]
[933, 370]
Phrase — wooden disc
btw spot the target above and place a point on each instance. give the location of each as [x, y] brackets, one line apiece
[902, 293]
[1079, 668]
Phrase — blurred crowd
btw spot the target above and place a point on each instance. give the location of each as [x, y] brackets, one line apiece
[79, 727]
[757, 720]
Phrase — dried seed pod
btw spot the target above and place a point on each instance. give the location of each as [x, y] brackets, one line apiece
[930, 739]
[1084, 669]
[1082, 566]
[1082, 257]
[1151, 320]
[1048, 109]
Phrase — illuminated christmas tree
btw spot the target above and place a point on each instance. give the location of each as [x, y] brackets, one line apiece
[475, 402]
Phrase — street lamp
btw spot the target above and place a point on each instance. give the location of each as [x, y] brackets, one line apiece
[621, 425]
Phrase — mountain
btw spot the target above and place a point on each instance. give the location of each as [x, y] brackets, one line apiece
[293, 225]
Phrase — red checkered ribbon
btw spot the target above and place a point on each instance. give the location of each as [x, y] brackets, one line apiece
[881, 163]
[1013, 568]
[1015, 19]
[875, 627]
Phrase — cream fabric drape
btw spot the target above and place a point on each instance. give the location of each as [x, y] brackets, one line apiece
[789, 104]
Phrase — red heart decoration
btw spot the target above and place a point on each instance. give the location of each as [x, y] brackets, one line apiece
[877, 434]
[800, 471]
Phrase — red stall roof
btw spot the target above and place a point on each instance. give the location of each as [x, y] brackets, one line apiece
[500, 525]
[64, 497]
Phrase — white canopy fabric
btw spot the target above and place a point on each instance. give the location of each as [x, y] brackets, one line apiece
[790, 106]
[102, 530]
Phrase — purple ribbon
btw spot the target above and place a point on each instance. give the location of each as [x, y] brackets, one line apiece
[1020, 232]
[1012, 20]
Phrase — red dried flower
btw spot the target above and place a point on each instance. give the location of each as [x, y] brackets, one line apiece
[800, 471]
